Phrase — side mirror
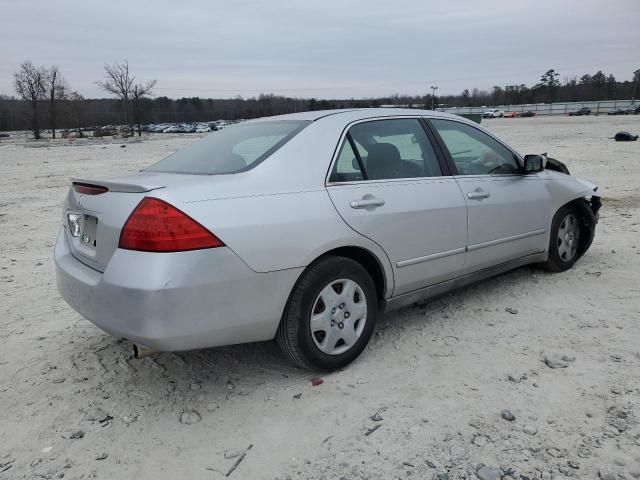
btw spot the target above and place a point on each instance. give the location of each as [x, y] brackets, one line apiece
[534, 163]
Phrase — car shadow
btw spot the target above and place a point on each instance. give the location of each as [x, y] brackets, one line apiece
[223, 373]
[459, 298]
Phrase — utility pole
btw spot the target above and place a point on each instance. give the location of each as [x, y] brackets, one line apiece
[433, 97]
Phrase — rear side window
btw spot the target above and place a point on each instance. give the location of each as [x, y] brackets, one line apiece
[234, 149]
[387, 149]
[347, 168]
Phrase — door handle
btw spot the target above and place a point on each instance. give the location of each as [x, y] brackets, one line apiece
[478, 195]
[367, 202]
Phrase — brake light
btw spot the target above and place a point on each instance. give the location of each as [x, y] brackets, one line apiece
[88, 189]
[156, 226]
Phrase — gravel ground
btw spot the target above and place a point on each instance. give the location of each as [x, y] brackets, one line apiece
[458, 385]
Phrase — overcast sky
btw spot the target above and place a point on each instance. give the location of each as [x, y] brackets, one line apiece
[327, 48]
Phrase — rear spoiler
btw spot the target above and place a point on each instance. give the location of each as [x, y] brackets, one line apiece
[125, 186]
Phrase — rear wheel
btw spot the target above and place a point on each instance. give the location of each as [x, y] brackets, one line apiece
[564, 244]
[330, 316]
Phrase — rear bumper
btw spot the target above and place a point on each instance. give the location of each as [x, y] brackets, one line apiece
[176, 301]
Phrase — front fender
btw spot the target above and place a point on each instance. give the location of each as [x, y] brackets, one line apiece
[565, 188]
[587, 184]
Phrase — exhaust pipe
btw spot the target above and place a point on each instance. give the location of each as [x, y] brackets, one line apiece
[140, 352]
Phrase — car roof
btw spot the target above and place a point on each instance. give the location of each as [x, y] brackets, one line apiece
[354, 114]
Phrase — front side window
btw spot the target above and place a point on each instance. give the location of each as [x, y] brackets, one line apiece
[234, 149]
[473, 151]
[387, 149]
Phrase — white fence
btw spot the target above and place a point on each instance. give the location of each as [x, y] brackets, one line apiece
[600, 107]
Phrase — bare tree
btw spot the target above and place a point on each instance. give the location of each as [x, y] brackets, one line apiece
[76, 106]
[57, 88]
[119, 82]
[31, 84]
[139, 92]
[636, 80]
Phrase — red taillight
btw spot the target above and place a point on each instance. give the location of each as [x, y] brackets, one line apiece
[156, 226]
[89, 189]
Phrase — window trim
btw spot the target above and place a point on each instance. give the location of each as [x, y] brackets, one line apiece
[345, 135]
[452, 165]
[445, 166]
[356, 152]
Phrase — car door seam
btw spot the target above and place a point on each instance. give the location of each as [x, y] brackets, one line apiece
[393, 279]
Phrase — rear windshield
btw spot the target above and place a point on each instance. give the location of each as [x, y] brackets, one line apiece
[234, 149]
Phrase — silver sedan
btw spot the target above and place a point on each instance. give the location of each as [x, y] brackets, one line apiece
[306, 227]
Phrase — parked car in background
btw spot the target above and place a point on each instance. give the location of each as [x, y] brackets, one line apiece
[620, 111]
[306, 227]
[511, 114]
[580, 112]
[629, 110]
[106, 131]
[196, 127]
[492, 113]
[528, 113]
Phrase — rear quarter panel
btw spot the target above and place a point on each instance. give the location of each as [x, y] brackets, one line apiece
[281, 231]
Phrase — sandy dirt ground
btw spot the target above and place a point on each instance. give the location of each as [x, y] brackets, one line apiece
[425, 399]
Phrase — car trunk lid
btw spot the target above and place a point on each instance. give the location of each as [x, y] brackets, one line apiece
[92, 223]
[104, 214]
[101, 207]
[96, 209]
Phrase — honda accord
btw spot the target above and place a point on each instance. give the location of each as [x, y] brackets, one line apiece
[307, 227]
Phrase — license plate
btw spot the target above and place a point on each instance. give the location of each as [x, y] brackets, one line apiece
[89, 229]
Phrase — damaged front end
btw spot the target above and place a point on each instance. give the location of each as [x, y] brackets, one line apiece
[590, 205]
[590, 209]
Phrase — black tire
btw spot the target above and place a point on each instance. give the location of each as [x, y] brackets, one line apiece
[558, 262]
[294, 332]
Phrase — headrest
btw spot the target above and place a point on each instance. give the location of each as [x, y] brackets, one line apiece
[383, 161]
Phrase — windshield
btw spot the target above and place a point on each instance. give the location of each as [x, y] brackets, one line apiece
[234, 149]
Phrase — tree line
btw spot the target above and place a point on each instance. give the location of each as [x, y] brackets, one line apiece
[46, 101]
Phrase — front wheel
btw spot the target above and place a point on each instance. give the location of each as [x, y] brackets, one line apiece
[564, 244]
[330, 315]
